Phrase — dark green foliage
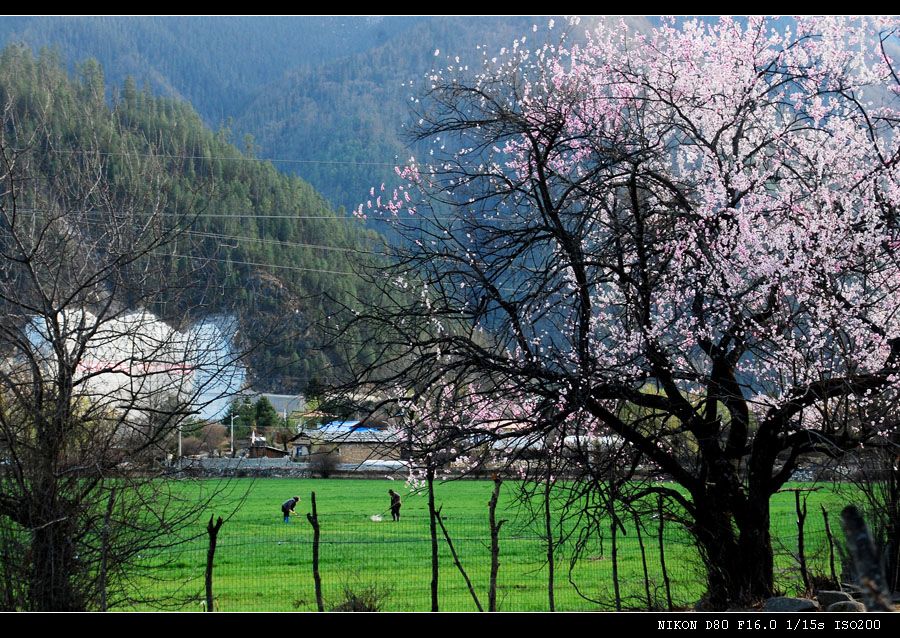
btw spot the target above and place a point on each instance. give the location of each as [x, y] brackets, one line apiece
[266, 416]
[244, 413]
[247, 415]
[270, 244]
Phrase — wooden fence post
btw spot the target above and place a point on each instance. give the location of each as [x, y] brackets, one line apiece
[457, 561]
[662, 552]
[830, 538]
[432, 520]
[615, 556]
[801, 541]
[869, 567]
[548, 531]
[213, 532]
[637, 527]
[313, 519]
[104, 548]
[495, 543]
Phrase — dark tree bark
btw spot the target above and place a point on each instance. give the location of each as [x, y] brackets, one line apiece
[213, 532]
[495, 526]
[313, 518]
[432, 521]
[739, 566]
[456, 560]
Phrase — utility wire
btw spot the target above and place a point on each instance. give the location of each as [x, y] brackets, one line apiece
[272, 160]
[250, 263]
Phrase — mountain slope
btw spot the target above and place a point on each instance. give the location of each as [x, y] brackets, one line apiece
[270, 245]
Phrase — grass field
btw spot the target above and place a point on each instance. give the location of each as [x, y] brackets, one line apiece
[263, 564]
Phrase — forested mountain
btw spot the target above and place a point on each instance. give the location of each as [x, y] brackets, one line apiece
[342, 125]
[270, 243]
[327, 95]
[219, 64]
[350, 111]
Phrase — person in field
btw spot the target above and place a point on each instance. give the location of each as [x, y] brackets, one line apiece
[395, 505]
[287, 508]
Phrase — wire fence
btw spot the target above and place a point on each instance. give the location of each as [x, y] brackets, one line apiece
[387, 565]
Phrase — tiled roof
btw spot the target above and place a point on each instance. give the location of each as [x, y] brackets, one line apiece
[353, 436]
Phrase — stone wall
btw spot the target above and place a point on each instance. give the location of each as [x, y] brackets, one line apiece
[284, 468]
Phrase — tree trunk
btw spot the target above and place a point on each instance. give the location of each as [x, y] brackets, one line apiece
[313, 518]
[495, 544]
[53, 565]
[548, 532]
[832, 571]
[737, 551]
[212, 531]
[434, 544]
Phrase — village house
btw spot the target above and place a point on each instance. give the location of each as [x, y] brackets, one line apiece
[260, 449]
[351, 442]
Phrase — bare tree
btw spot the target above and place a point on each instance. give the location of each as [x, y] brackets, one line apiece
[324, 463]
[100, 364]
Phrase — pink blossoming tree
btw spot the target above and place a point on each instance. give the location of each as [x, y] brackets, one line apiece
[697, 224]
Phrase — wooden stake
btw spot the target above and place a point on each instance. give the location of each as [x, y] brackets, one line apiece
[456, 560]
[313, 519]
[213, 532]
[495, 544]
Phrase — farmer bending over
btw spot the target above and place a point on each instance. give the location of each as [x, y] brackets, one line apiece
[287, 508]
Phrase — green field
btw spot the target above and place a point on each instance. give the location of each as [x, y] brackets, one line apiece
[263, 564]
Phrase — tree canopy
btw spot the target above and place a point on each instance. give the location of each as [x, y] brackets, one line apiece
[685, 237]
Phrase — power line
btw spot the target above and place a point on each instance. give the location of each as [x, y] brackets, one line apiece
[239, 215]
[278, 242]
[219, 236]
[262, 240]
[261, 265]
[96, 223]
[271, 160]
[192, 215]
